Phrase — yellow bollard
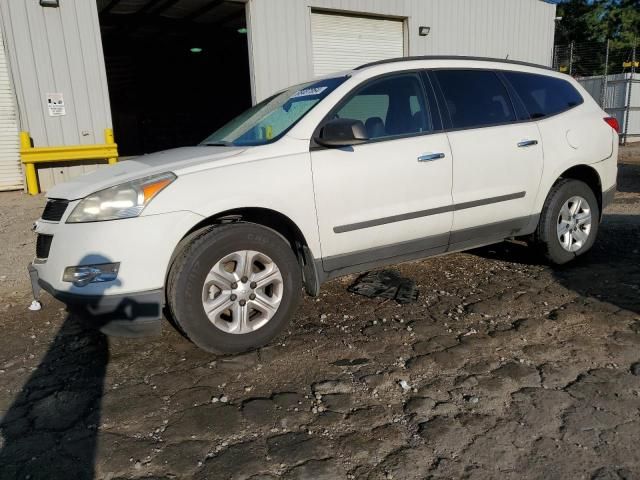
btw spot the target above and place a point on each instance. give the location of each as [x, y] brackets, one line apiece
[110, 140]
[25, 140]
[67, 153]
[29, 168]
[32, 179]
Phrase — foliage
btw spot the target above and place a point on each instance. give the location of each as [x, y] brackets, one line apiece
[599, 20]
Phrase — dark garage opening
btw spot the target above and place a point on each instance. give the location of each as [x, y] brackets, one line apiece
[177, 69]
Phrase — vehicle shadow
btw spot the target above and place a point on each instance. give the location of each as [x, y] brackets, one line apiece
[629, 177]
[610, 272]
[50, 431]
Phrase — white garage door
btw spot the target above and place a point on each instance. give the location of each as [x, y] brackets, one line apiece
[342, 42]
[10, 169]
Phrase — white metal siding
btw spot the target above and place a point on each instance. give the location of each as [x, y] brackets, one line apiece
[342, 42]
[616, 97]
[56, 50]
[281, 38]
[10, 168]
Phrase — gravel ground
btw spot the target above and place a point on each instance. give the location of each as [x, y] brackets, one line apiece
[504, 368]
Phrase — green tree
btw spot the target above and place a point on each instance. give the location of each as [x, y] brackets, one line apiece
[576, 24]
[599, 20]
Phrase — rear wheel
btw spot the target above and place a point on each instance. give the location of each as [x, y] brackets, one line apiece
[234, 287]
[569, 221]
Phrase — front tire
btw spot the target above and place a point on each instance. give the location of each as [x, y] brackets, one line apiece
[234, 287]
[569, 222]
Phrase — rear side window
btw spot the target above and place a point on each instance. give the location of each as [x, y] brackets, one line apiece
[475, 98]
[544, 96]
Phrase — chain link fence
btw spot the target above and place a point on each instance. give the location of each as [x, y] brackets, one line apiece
[611, 75]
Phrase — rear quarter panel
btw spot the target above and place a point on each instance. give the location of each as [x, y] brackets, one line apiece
[579, 136]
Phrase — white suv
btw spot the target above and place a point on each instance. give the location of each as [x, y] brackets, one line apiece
[394, 161]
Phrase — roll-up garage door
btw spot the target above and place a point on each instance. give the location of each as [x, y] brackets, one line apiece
[10, 169]
[343, 42]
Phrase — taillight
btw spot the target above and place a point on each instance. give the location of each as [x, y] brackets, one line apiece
[613, 123]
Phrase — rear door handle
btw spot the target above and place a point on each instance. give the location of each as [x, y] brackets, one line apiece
[527, 143]
[430, 157]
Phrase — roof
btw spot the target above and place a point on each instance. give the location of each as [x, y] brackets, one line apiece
[450, 57]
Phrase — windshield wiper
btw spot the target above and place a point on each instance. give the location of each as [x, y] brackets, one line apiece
[219, 144]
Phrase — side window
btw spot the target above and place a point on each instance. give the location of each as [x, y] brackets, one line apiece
[389, 107]
[544, 96]
[475, 98]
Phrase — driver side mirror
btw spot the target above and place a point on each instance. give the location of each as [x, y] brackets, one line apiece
[342, 132]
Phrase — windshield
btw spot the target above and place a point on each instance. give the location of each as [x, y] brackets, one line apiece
[275, 116]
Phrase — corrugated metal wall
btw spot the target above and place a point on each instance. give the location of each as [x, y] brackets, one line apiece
[10, 168]
[616, 98]
[58, 50]
[280, 32]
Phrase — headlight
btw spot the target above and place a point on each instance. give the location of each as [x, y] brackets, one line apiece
[122, 201]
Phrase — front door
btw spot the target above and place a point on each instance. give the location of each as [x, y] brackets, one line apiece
[389, 198]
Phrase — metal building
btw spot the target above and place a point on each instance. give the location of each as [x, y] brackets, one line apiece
[165, 73]
[10, 169]
[619, 95]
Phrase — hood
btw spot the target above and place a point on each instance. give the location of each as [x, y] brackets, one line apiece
[138, 167]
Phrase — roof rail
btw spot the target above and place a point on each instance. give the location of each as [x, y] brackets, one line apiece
[450, 57]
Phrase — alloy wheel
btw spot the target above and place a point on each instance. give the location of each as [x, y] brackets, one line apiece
[242, 292]
[574, 224]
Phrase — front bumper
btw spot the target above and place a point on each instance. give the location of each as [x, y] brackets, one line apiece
[143, 247]
[131, 305]
[126, 315]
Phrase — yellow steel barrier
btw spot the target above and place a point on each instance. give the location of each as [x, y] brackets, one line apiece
[32, 155]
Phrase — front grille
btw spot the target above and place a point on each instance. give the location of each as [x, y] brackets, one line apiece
[54, 210]
[43, 245]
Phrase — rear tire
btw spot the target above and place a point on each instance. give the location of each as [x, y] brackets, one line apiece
[234, 287]
[569, 222]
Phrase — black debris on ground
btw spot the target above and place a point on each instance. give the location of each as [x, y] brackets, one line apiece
[386, 284]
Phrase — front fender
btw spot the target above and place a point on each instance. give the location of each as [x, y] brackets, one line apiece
[283, 184]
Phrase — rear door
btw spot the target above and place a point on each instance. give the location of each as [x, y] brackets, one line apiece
[572, 129]
[497, 157]
[390, 197]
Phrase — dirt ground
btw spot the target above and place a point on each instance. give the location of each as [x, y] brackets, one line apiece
[504, 368]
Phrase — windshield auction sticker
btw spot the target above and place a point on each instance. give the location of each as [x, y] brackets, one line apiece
[309, 92]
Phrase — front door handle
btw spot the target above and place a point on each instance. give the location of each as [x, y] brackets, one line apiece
[527, 143]
[430, 157]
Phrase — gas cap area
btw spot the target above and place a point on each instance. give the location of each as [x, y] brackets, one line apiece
[573, 139]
